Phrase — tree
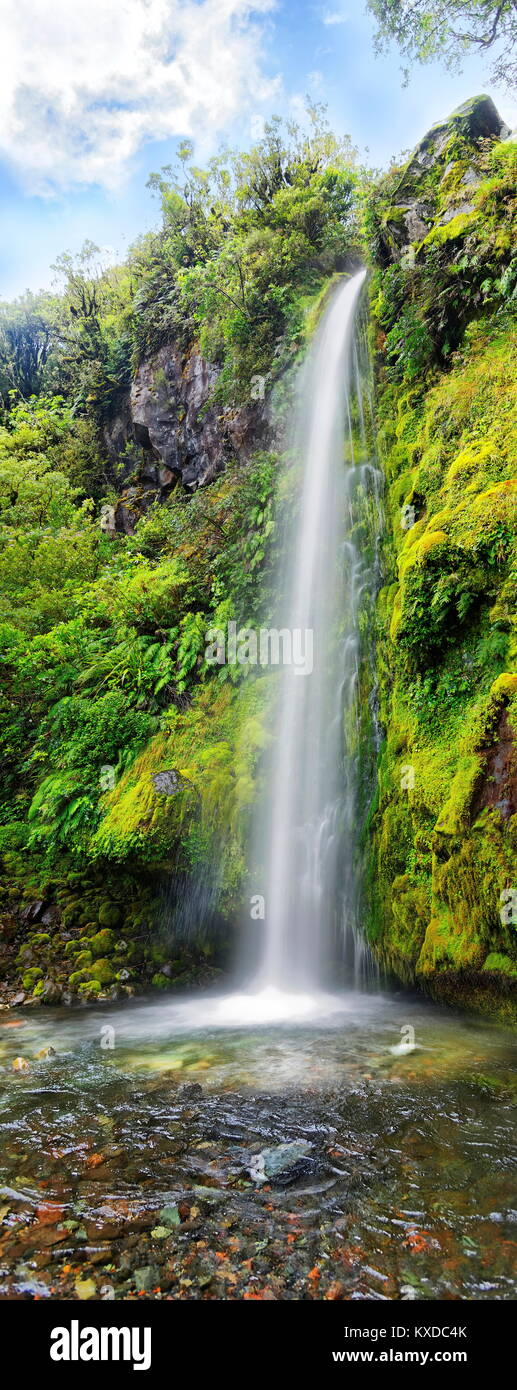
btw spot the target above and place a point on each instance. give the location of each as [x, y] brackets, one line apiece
[450, 29]
[94, 350]
[27, 337]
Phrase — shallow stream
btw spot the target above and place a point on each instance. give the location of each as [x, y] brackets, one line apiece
[132, 1154]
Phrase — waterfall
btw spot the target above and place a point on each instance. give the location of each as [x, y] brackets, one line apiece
[307, 832]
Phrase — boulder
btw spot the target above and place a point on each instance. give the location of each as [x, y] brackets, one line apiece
[415, 190]
[169, 782]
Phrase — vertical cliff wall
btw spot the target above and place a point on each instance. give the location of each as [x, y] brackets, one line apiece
[442, 838]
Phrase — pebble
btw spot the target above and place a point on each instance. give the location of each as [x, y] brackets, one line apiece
[21, 1064]
[271, 1162]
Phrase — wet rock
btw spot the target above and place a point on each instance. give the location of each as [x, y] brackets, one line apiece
[85, 1288]
[26, 1283]
[32, 912]
[146, 1278]
[211, 1195]
[166, 431]
[284, 1163]
[170, 420]
[190, 1090]
[170, 1217]
[168, 782]
[50, 992]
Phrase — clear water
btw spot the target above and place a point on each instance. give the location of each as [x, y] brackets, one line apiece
[408, 1190]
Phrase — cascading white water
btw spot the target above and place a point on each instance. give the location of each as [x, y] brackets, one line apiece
[306, 822]
[308, 816]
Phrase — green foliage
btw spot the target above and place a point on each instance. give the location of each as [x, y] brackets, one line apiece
[465, 266]
[100, 638]
[27, 336]
[239, 243]
[450, 29]
[443, 841]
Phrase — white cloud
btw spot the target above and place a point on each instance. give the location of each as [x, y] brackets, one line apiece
[86, 82]
[335, 17]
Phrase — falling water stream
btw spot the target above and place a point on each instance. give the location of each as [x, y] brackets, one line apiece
[309, 806]
[132, 1137]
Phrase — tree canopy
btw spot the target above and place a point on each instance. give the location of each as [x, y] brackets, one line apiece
[450, 29]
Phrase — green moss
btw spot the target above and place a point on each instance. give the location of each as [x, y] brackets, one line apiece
[83, 959]
[441, 851]
[214, 746]
[109, 915]
[502, 964]
[455, 814]
[78, 977]
[103, 943]
[102, 971]
[30, 977]
[456, 227]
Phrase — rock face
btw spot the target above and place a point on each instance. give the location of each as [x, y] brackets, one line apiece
[168, 782]
[422, 183]
[440, 899]
[168, 432]
[171, 421]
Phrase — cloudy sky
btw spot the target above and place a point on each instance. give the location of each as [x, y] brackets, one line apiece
[96, 93]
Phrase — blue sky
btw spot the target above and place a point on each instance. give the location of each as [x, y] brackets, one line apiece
[96, 95]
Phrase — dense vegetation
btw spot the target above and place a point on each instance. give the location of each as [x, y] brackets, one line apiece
[444, 824]
[103, 635]
[105, 682]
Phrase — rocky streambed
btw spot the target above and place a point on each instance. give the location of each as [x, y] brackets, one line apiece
[146, 1155]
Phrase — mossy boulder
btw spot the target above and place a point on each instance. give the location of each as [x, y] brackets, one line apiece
[103, 943]
[103, 972]
[30, 977]
[505, 686]
[109, 915]
[89, 989]
[83, 959]
[78, 977]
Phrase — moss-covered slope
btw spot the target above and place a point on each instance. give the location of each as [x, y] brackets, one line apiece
[443, 833]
